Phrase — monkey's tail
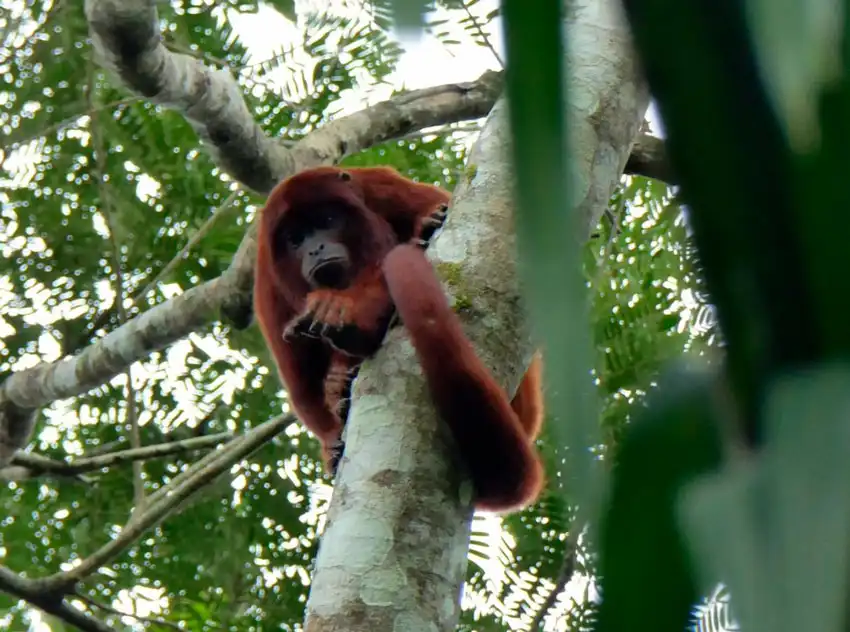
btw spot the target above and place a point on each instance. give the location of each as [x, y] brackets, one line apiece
[505, 468]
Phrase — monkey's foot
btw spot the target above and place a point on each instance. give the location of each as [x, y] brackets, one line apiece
[333, 455]
[344, 405]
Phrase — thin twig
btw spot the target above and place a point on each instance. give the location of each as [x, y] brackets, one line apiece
[482, 34]
[55, 127]
[199, 234]
[108, 208]
[37, 463]
[196, 467]
[27, 465]
[106, 448]
[451, 128]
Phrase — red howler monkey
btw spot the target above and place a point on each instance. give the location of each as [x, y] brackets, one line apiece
[339, 251]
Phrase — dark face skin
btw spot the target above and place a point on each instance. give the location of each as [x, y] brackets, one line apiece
[317, 242]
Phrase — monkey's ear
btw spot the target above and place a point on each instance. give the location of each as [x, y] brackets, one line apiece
[344, 176]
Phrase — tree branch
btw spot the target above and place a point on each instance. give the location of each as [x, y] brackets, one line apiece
[32, 465]
[32, 592]
[649, 158]
[127, 40]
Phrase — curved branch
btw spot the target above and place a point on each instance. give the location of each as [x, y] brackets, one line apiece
[127, 40]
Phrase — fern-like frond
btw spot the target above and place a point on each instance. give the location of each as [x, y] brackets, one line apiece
[714, 614]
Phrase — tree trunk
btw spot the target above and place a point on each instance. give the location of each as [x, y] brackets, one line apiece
[393, 555]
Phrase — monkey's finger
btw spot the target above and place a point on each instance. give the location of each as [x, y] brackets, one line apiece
[316, 328]
[436, 219]
[318, 308]
[341, 315]
[343, 407]
[303, 326]
[327, 331]
[333, 313]
[292, 331]
[439, 216]
[335, 453]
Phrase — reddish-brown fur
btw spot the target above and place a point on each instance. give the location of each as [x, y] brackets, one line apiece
[390, 212]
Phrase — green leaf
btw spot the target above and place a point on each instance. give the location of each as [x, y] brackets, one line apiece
[721, 128]
[549, 246]
[798, 46]
[775, 528]
[647, 577]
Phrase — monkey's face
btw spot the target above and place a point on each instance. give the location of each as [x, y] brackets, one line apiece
[317, 240]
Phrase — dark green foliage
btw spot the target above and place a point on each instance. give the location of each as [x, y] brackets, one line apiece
[548, 236]
[768, 246]
[643, 559]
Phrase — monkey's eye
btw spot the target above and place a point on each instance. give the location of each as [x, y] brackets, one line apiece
[295, 238]
[290, 236]
[325, 218]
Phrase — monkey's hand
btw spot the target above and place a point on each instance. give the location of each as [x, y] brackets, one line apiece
[353, 320]
[429, 225]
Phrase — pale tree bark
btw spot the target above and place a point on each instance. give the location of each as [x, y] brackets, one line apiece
[393, 555]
